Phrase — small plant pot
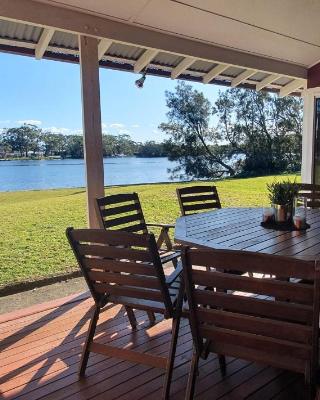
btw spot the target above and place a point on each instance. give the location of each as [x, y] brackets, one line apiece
[282, 213]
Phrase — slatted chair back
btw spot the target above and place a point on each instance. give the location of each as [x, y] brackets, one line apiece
[122, 268]
[311, 192]
[195, 199]
[276, 325]
[125, 268]
[121, 212]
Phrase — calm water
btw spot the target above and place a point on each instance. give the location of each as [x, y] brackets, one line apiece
[50, 174]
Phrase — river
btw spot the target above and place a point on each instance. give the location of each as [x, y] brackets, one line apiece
[52, 174]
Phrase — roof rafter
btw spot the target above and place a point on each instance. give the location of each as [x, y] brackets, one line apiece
[74, 21]
[267, 81]
[43, 42]
[291, 87]
[182, 66]
[145, 59]
[242, 77]
[56, 52]
[103, 46]
[217, 70]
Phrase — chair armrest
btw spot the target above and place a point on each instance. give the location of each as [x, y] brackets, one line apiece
[174, 275]
[161, 225]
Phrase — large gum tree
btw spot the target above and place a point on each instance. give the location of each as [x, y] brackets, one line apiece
[243, 133]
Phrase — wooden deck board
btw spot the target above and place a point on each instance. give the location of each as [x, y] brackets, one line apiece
[40, 352]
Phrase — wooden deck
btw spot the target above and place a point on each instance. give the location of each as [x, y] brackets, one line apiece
[40, 352]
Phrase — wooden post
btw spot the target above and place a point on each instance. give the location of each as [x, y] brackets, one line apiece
[92, 131]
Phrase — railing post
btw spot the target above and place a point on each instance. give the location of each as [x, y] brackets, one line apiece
[92, 130]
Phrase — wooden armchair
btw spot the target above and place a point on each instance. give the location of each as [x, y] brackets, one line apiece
[311, 192]
[195, 199]
[123, 212]
[125, 268]
[280, 331]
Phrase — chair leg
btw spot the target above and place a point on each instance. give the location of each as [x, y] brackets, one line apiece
[160, 238]
[310, 383]
[164, 237]
[206, 350]
[192, 376]
[152, 317]
[170, 363]
[89, 339]
[131, 317]
[222, 363]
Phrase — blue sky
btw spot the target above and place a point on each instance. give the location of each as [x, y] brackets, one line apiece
[48, 93]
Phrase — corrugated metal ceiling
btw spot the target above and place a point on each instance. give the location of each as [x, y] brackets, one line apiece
[14, 30]
[118, 53]
[64, 39]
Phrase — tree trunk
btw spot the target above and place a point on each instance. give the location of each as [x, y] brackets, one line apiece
[224, 165]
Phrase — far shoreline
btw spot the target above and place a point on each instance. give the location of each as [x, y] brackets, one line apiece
[53, 158]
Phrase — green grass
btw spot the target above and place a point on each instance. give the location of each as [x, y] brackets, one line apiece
[33, 223]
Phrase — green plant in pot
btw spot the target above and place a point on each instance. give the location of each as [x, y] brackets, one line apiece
[281, 196]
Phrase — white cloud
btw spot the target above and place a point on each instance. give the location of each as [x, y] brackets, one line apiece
[30, 122]
[135, 126]
[124, 132]
[55, 129]
[64, 131]
[117, 126]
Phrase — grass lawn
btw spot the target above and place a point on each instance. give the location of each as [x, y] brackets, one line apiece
[33, 223]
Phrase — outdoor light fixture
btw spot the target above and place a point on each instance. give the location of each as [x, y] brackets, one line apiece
[140, 82]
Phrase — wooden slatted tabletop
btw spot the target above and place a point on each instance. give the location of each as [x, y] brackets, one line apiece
[240, 229]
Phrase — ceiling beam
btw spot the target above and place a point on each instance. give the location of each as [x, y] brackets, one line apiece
[291, 87]
[242, 77]
[144, 59]
[69, 20]
[267, 81]
[182, 66]
[103, 46]
[217, 70]
[72, 56]
[314, 76]
[43, 42]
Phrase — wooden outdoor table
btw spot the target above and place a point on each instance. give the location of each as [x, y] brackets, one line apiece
[240, 229]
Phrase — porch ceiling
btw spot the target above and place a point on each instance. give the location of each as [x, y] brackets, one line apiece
[262, 45]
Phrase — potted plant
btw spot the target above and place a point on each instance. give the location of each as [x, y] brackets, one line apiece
[281, 196]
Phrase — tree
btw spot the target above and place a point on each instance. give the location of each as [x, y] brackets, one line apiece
[74, 146]
[55, 144]
[193, 143]
[5, 149]
[151, 149]
[109, 143]
[23, 139]
[125, 145]
[263, 128]
[256, 133]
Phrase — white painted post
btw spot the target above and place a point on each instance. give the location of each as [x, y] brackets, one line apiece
[309, 96]
[92, 130]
